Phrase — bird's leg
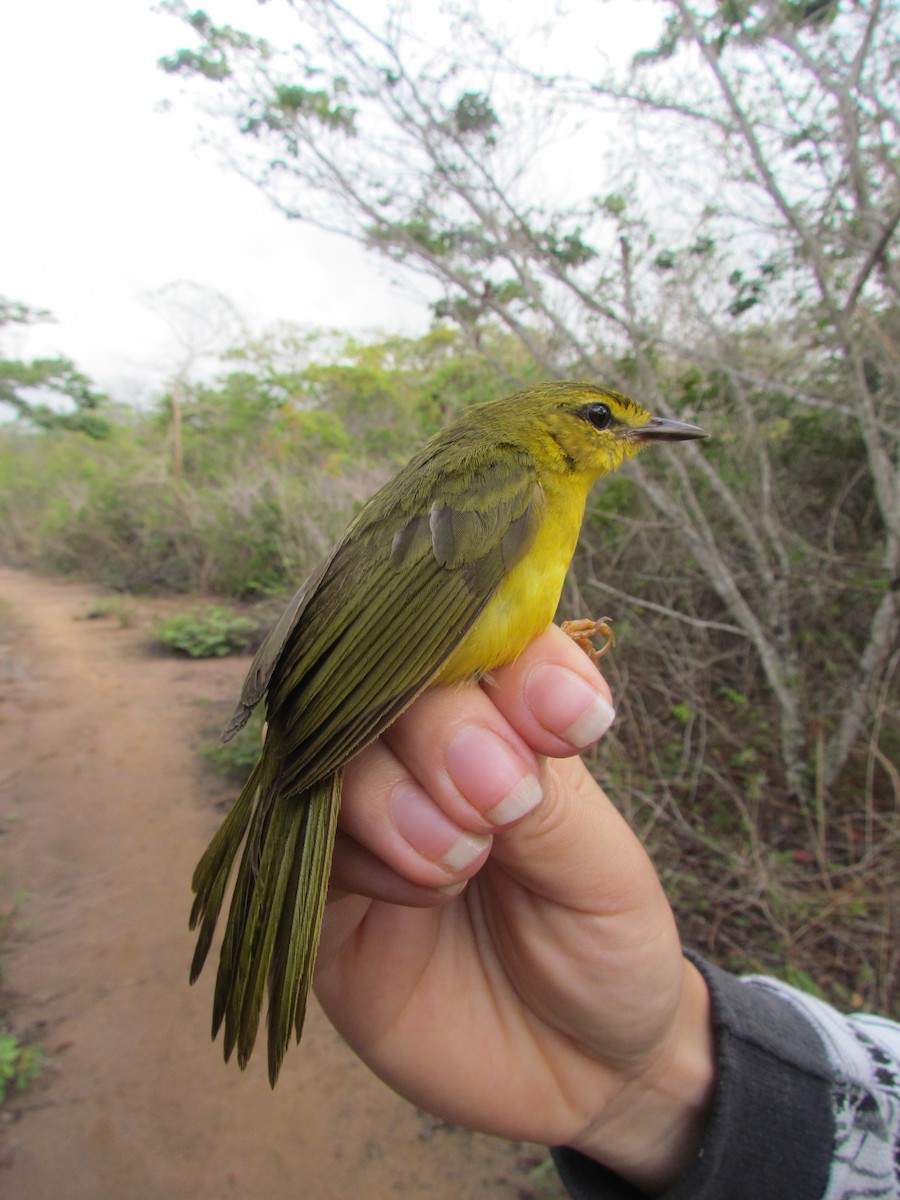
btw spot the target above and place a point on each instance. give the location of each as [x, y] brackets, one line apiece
[584, 631]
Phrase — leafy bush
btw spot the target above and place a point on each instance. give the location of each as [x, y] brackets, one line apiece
[120, 520]
[208, 633]
[19, 1065]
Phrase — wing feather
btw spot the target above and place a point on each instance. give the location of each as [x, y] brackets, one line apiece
[267, 656]
[374, 624]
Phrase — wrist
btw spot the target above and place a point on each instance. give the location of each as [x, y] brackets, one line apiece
[651, 1133]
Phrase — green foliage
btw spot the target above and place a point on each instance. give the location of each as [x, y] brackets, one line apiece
[27, 387]
[751, 291]
[213, 60]
[569, 249]
[290, 104]
[236, 758]
[216, 59]
[293, 101]
[207, 633]
[275, 455]
[474, 114]
[20, 1065]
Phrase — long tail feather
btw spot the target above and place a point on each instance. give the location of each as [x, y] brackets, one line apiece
[275, 918]
[212, 871]
[297, 938]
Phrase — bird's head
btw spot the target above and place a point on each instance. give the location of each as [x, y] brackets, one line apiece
[579, 427]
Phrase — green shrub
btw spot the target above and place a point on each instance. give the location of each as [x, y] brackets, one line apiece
[208, 633]
[19, 1065]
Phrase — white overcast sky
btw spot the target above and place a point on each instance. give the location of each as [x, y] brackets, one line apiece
[105, 198]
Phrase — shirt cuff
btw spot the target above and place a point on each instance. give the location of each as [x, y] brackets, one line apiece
[771, 1127]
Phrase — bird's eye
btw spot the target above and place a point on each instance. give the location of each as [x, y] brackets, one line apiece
[599, 415]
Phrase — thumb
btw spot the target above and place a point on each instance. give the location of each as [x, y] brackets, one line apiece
[575, 850]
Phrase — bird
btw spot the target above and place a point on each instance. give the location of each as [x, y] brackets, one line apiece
[447, 573]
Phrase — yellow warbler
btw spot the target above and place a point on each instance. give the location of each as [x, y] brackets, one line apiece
[448, 572]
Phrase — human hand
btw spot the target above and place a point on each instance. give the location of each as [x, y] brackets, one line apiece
[498, 947]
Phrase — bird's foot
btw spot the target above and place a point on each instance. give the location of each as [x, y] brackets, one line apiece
[584, 631]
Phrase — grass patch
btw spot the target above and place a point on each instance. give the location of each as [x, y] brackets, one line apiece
[20, 1063]
[120, 608]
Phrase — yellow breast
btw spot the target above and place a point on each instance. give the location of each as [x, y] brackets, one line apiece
[526, 600]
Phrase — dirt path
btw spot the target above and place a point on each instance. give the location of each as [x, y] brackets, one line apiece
[103, 813]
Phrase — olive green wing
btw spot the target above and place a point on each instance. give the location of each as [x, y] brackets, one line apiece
[269, 652]
[395, 598]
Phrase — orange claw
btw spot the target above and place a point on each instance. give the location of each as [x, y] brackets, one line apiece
[584, 631]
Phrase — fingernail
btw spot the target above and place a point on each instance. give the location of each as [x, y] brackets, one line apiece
[492, 776]
[423, 826]
[568, 705]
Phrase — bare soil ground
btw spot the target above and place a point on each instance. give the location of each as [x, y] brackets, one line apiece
[104, 809]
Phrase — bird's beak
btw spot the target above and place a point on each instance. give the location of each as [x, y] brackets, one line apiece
[661, 429]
